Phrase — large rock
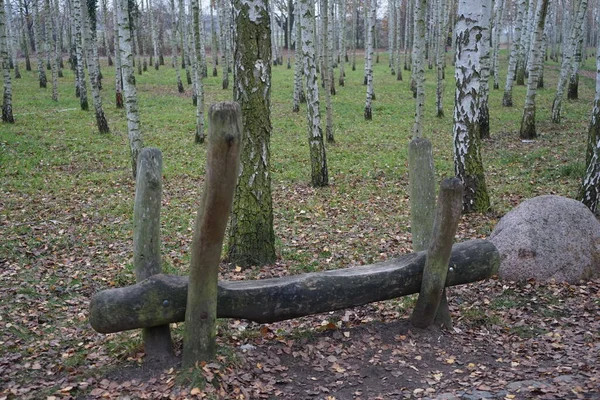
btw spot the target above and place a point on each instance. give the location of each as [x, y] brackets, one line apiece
[548, 237]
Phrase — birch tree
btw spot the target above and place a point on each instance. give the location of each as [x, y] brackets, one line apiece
[37, 34]
[496, 31]
[153, 35]
[569, 49]
[118, 71]
[53, 49]
[11, 26]
[7, 114]
[318, 158]
[327, 70]
[197, 73]
[440, 44]
[507, 100]
[343, 55]
[371, 15]
[174, 50]
[484, 85]
[104, 5]
[224, 11]
[399, 28]
[92, 62]
[468, 166]
[354, 26]
[251, 235]
[131, 106]
[298, 96]
[528, 130]
[419, 64]
[590, 187]
[81, 85]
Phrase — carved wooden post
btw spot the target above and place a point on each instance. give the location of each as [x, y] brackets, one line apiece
[422, 192]
[146, 241]
[432, 299]
[222, 166]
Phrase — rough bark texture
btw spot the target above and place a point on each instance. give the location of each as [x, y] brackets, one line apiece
[514, 55]
[118, 72]
[7, 114]
[198, 71]
[251, 235]
[131, 106]
[498, 11]
[174, 49]
[54, 49]
[528, 130]
[318, 158]
[161, 299]
[222, 166]
[484, 73]
[590, 186]
[468, 165]
[298, 62]
[447, 216]
[146, 243]
[327, 71]
[37, 34]
[440, 54]
[422, 192]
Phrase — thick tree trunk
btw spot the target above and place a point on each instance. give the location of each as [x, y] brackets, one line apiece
[528, 130]
[447, 217]
[133, 116]
[251, 234]
[468, 166]
[318, 158]
[222, 166]
[7, 114]
[161, 299]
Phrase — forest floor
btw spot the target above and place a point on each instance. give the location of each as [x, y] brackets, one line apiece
[66, 198]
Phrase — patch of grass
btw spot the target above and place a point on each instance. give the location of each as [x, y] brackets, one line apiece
[477, 317]
[528, 332]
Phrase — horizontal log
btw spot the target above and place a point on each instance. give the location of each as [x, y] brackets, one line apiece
[161, 299]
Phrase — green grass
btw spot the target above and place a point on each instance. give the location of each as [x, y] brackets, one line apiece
[67, 194]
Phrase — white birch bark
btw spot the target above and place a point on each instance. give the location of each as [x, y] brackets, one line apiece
[523, 61]
[174, 49]
[118, 72]
[133, 117]
[196, 67]
[354, 33]
[468, 165]
[497, 30]
[573, 86]
[326, 69]
[53, 43]
[440, 46]
[485, 61]
[105, 40]
[419, 65]
[37, 35]
[399, 48]
[408, 33]
[7, 113]
[224, 11]
[11, 25]
[391, 12]
[299, 96]
[78, 22]
[201, 36]
[568, 51]
[91, 38]
[371, 15]
[590, 186]
[318, 159]
[514, 55]
[185, 42]
[528, 130]
[214, 52]
[153, 35]
[343, 54]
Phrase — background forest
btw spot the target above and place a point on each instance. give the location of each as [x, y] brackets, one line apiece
[67, 191]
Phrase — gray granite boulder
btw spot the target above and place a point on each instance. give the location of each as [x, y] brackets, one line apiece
[548, 237]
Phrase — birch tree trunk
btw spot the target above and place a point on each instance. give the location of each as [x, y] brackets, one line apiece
[7, 114]
[224, 11]
[299, 96]
[78, 22]
[185, 43]
[327, 74]
[37, 34]
[154, 35]
[514, 56]
[174, 50]
[440, 46]
[573, 87]
[399, 40]
[54, 49]
[522, 62]
[343, 50]
[589, 192]
[528, 130]
[498, 13]
[197, 66]
[251, 234]
[93, 69]
[118, 70]
[568, 51]
[318, 158]
[371, 15]
[468, 166]
[419, 65]
[484, 88]
[213, 35]
[105, 41]
[133, 117]
[391, 12]
[11, 26]
[354, 33]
